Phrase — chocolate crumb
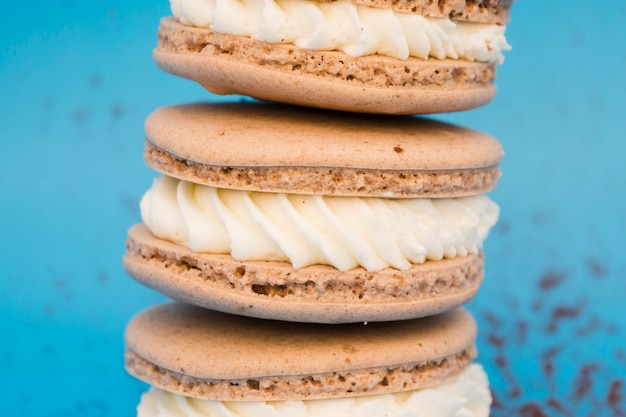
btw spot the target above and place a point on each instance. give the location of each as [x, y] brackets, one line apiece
[117, 111]
[496, 340]
[616, 398]
[547, 359]
[95, 80]
[584, 383]
[551, 279]
[532, 410]
[515, 392]
[501, 362]
[522, 331]
[492, 319]
[60, 282]
[80, 116]
[103, 277]
[596, 268]
[556, 405]
[496, 404]
[561, 312]
[503, 227]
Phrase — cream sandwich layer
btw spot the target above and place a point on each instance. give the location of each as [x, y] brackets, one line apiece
[344, 232]
[467, 395]
[353, 29]
[259, 148]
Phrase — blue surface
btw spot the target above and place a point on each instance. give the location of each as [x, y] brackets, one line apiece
[76, 83]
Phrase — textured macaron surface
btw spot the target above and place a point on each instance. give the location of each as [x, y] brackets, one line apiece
[207, 347]
[466, 395]
[317, 293]
[484, 11]
[265, 147]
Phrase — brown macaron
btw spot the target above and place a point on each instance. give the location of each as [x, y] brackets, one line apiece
[325, 183]
[399, 57]
[278, 148]
[210, 355]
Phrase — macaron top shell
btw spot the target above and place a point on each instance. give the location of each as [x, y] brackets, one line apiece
[227, 136]
[212, 346]
[260, 134]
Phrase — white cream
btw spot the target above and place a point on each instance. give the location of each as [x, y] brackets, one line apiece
[345, 232]
[340, 25]
[466, 396]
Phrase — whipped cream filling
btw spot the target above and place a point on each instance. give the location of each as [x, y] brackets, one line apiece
[465, 396]
[344, 232]
[356, 30]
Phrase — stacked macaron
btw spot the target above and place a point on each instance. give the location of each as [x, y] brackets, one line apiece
[319, 251]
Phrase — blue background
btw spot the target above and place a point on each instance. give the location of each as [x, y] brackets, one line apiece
[76, 83]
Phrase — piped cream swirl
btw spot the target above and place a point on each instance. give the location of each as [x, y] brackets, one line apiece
[465, 396]
[345, 232]
[356, 30]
